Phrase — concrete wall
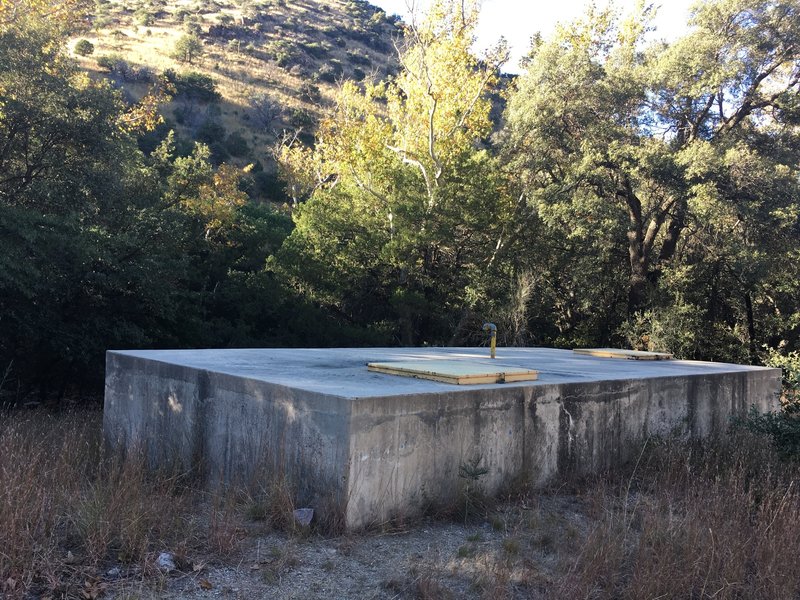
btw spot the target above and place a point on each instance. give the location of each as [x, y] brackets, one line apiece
[406, 452]
[228, 428]
[383, 454]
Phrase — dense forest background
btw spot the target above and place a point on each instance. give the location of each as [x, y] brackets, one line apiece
[618, 192]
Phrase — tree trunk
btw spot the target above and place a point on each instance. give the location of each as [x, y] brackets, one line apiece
[637, 254]
[676, 226]
[751, 328]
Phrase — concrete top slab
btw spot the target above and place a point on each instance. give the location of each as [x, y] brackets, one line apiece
[343, 371]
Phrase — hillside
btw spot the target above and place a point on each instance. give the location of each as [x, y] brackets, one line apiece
[258, 68]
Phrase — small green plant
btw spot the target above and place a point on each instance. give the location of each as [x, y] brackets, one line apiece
[465, 551]
[471, 472]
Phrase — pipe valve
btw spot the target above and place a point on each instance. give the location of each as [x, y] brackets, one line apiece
[491, 328]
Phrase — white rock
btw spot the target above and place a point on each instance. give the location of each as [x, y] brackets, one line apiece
[166, 561]
[303, 516]
[114, 572]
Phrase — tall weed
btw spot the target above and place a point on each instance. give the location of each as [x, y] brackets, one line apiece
[704, 520]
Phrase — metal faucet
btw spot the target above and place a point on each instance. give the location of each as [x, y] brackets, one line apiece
[492, 329]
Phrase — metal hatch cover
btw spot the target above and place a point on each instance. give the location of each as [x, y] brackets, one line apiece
[458, 372]
[619, 353]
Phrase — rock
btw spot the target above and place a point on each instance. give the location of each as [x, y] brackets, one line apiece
[166, 561]
[114, 572]
[303, 516]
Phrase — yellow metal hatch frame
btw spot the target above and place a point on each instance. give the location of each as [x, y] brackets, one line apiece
[456, 372]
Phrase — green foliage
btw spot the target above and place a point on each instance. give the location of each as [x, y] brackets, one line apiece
[84, 47]
[211, 131]
[144, 17]
[789, 364]
[113, 63]
[782, 427]
[315, 50]
[399, 212]
[270, 186]
[680, 161]
[640, 193]
[301, 118]
[193, 85]
[310, 93]
[188, 48]
[236, 145]
[475, 502]
[330, 71]
[357, 58]
[103, 247]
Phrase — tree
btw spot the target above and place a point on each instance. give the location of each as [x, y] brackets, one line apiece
[188, 48]
[400, 204]
[656, 147]
[265, 110]
[102, 247]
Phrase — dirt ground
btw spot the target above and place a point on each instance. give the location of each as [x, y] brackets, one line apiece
[513, 553]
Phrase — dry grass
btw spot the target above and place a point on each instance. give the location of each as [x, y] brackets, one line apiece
[702, 520]
[69, 513]
[66, 509]
[711, 520]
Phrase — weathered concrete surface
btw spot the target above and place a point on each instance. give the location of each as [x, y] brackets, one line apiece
[376, 446]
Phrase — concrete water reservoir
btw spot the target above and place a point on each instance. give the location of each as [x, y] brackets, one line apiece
[372, 446]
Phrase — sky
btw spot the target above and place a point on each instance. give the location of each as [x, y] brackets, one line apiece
[518, 20]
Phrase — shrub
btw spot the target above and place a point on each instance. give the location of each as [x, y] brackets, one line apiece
[790, 365]
[143, 17]
[301, 118]
[358, 74]
[102, 21]
[210, 132]
[121, 68]
[315, 50]
[192, 28]
[270, 186]
[330, 71]
[782, 427]
[356, 58]
[150, 140]
[310, 93]
[193, 85]
[84, 47]
[236, 145]
[219, 153]
[113, 63]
